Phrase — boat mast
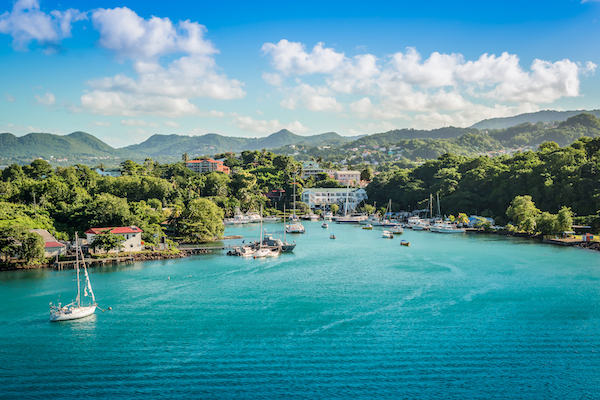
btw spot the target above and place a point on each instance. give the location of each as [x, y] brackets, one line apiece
[77, 268]
[438, 202]
[261, 232]
[430, 206]
[347, 194]
[284, 225]
[294, 195]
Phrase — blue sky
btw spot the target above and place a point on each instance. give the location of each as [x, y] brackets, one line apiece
[125, 71]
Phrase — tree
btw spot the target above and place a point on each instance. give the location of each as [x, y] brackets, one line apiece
[564, 219]
[334, 208]
[108, 241]
[16, 240]
[38, 169]
[185, 158]
[366, 174]
[523, 211]
[202, 221]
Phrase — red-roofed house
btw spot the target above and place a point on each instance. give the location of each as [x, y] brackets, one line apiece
[132, 235]
[52, 247]
[207, 165]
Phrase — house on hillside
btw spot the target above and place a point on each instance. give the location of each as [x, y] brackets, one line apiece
[108, 172]
[346, 177]
[52, 247]
[207, 165]
[132, 235]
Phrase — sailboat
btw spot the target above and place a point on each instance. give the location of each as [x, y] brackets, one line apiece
[264, 251]
[76, 310]
[295, 227]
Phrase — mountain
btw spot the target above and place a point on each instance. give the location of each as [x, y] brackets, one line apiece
[546, 116]
[391, 137]
[76, 144]
[176, 145]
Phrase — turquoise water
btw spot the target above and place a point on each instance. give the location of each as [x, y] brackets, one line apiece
[450, 317]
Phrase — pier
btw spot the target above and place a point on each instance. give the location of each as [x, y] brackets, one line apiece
[95, 261]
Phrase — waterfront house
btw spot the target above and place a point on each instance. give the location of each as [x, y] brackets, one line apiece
[132, 235]
[322, 198]
[207, 165]
[52, 247]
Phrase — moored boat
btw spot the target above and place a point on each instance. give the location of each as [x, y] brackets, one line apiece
[76, 310]
[387, 235]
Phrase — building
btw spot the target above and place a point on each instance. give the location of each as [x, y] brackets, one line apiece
[346, 177]
[322, 198]
[108, 172]
[207, 165]
[132, 235]
[52, 247]
[275, 195]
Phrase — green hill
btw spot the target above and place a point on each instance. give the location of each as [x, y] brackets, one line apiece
[546, 116]
[46, 145]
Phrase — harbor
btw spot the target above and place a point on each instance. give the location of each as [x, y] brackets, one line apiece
[509, 315]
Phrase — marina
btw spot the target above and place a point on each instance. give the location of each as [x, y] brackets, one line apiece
[356, 317]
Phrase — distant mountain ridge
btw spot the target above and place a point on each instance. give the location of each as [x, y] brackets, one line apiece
[546, 116]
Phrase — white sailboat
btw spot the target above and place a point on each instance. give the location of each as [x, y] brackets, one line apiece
[295, 227]
[76, 310]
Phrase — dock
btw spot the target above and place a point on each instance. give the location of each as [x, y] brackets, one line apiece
[94, 261]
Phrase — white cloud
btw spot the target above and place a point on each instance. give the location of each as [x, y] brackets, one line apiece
[27, 23]
[383, 126]
[250, 124]
[405, 82]
[132, 36]
[312, 98]
[9, 98]
[101, 123]
[47, 100]
[157, 90]
[292, 58]
[172, 124]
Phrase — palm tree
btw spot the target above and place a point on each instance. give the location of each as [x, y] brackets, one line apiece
[184, 157]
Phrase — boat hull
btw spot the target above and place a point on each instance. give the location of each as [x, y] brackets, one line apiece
[72, 313]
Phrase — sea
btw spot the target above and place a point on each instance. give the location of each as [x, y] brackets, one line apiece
[452, 316]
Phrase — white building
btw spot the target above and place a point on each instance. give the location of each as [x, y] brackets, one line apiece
[132, 235]
[322, 197]
[52, 247]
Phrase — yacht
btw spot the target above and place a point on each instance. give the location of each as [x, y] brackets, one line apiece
[325, 225]
[387, 235]
[397, 229]
[449, 228]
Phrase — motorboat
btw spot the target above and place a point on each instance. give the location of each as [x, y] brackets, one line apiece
[325, 225]
[404, 243]
[271, 218]
[449, 228]
[368, 227]
[396, 229]
[295, 227]
[387, 235]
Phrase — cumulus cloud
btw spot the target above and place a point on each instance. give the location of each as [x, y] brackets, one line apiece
[250, 124]
[46, 100]
[406, 84]
[157, 89]
[272, 79]
[312, 98]
[26, 23]
[292, 58]
[132, 36]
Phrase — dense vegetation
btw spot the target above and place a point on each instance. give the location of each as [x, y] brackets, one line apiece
[554, 177]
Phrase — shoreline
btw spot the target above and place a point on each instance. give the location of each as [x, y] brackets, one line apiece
[149, 255]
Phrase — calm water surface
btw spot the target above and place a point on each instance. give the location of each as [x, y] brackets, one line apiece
[450, 317]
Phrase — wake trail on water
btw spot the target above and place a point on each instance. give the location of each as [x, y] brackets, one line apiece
[413, 295]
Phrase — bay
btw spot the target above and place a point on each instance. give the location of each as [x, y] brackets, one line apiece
[451, 316]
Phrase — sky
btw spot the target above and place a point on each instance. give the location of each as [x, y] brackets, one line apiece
[124, 71]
